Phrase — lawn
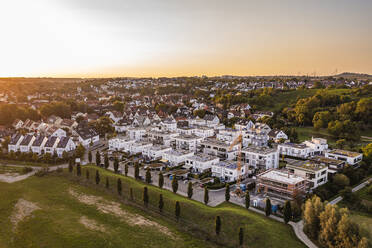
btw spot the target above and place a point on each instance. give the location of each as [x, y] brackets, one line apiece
[365, 223]
[64, 221]
[16, 162]
[305, 133]
[259, 230]
[12, 169]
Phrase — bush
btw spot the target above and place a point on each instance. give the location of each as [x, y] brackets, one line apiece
[26, 170]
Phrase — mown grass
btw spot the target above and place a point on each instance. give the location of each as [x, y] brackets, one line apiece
[57, 223]
[260, 231]
[16, 162]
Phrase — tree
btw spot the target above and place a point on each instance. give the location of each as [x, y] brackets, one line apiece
[119, 186]
[118, 106]
[227, 193]
[107, 183]
[98, 158]
[364, 110]
[148, 176]
[87, 174]
[206, 196]
[341, 181]
[161, 180]
[321, 119]
[136, 171]
[145, 196]
[70, 165]
[177, 210]
[78, 170]
[174, 184]
[104, 125]
[189, 190]
[287, 212]
[126, 169]
[98, 179]
[90, 156]
[161, 203]
[241, 236]
[341, 143]
[218, 225]
[348, 234]
[116, 165]
[80, 151]
[131, 196]
[106, 161]
[247, 200]
[367, 153]
[268, 207]
[328, 220]
[313, 208]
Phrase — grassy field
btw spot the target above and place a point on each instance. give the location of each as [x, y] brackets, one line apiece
[365, 223]
[61, 220]
[201, 217]
[56, 224]
[16, 162]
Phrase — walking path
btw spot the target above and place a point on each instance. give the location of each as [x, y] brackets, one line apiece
[356, 188]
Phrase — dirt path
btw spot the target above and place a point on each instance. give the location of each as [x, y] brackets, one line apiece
[22, 210]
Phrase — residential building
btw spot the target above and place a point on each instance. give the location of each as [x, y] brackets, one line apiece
[87, 136]
[138, 147]
[351, 158]
[295, 150]
[315, 174]
[282, 185]
[177, 157]
[65, 144]
[228, 135]
[51, 145]
[255, 137]
[161, 137]
[334, 165]
[187, 142]
[155, 152]
[120, 143]
[277, 135]
[15, 142]
[201, 162]
[228, 170]
[262, 158]
[218, 148]
[25, 145]
[136, 133]
[204, 132]
[318, 145]
[38, 144]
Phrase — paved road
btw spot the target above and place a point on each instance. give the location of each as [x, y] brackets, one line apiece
[356, 188]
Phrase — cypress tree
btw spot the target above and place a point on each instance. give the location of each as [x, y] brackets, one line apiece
[247, 200]
[126, 169]
[161, 203]
[131, 196]
[227, 193]
[116, 165]
[241, 236]
[189, 190]
[268, 207]
[98, 158]
[106, 161]
[87, 174]
[78, 170]
[148, 176]
[174, 184]
[70, 165]
[287, 212]
[145, 196]
[107, 183]
[161, 180]
[218, 225]
[136, 171]
[97, 177]
[177, 210]
[119, 186]
[90, 156]
[206, 196]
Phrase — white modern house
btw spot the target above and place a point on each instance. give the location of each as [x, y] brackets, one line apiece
[169, 124]
[201, 162]
[227, 135]
[120, 143]
[156, 151]
[161, 137]
[218, 148]
[139, 147]
[87, 136]
[136, 133]
[295, 150]
[318, 145]
[276, 135]
[187, 142]
[204, 132]
[314, 173]
[351, 158]
[51, 145]
[261, 157]
[177, 157]
[228, 171]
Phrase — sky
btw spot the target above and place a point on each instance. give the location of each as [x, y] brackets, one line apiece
[109, 38]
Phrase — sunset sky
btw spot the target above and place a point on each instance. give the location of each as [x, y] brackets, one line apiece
[100, 38]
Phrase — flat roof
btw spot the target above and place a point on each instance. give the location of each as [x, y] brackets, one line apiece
[307, 165]
[301, 146]
[179, 152]
[280, 176]
[215, 142]
[259, 149]
[159, 148]
[344, 153]
[203, 157]
[187, 137]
